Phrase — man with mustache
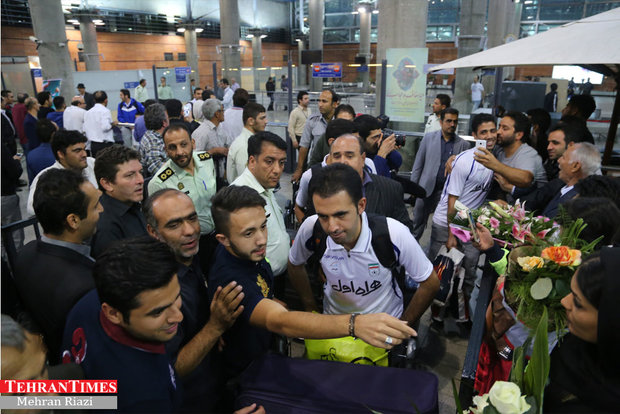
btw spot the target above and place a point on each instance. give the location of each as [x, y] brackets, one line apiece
[119, 174]
[193, 173]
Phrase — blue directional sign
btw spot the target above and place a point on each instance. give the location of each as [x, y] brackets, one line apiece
[131, 85]
[327, 70]
[181, 73]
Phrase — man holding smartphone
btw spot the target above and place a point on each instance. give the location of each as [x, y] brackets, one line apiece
[469, 182]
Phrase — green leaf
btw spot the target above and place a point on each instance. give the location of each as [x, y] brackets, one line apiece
[457, 400]
[516, 372]
[562, 288]
[537, 370]
[489, 409]
[533, 407]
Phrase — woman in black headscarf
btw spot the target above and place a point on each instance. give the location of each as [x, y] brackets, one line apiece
[585, 367]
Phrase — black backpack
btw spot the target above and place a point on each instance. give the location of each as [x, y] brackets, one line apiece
[381, 244]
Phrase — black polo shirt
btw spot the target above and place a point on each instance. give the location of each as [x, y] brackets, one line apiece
[201, 387]
[118, 221]
[244, 342]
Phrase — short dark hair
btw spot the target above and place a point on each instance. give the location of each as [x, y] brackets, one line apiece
[540, 117]
[154, 116]
[58, 102]
[255, 143]
[240, 98]
[81, 86]
[108, 160]
[338, 127]
[147, 206]
[63, 139]
[335, 96]
[174, 107]
[174, 128]
[600, 214]
[522, 123]
[344, 108]
[480, 119]
[573, 132]
[300, 95]
[132, 266]
[126, 93]
[451, 111]
[141, 80]
[332, 179]
[100, 96]
[42, 97]
[45, 130]
[197, 89]
[600, 186]
[251, 110]
[5, 93]
[444, 99]
[580, 126]
[584, 104]
[149, 102]
[553, 86]
[207, 93]
[225, 81]
[366, 123]
[230, 199]
[57, 195]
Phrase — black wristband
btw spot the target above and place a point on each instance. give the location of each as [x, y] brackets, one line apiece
[352, 325]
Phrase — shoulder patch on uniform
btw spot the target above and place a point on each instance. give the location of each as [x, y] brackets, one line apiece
[165, 174]
[204, 156]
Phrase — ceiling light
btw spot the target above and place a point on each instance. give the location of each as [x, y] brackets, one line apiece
[263, 36]
[181, 29]
[362, 9]
[375, 12]
[249, 36]
[199, 30]
[74, 21]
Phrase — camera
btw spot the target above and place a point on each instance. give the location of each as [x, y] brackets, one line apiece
[383, 120]
[400, 139]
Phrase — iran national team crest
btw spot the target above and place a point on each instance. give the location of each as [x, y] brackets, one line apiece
[373, 269]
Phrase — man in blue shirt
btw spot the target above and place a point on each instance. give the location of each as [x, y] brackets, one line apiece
[57, 115]
[119, 330]
[42, 156]
[128, 108]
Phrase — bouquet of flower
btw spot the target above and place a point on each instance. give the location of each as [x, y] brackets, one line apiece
[511, 226]
[539, 276]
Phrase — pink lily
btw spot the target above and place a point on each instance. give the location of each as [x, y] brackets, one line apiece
[461, 234]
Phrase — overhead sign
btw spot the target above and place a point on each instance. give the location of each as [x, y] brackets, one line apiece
[131, 85]
[327, 70]
[405, 95]
[181, 73]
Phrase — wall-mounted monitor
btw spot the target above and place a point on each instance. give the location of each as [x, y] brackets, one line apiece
[308, 57]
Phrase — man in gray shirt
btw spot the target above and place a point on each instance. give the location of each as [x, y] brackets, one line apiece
[516, 161]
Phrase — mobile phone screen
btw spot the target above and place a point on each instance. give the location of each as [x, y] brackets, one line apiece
[472, 226]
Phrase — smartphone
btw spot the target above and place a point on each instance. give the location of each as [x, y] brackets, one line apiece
[187, 110]
[472, 226]
[20, 154]
[481, 143]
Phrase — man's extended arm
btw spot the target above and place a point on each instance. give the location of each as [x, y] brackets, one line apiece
[421, 299]
[299, 279]
[520, 178]
[372, 329]
[224, 311]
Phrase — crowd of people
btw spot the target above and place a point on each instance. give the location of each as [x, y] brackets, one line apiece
[164, 257]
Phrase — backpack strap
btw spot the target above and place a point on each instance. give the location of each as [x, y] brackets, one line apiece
[386, 251]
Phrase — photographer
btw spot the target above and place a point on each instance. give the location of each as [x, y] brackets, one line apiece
[379, 149]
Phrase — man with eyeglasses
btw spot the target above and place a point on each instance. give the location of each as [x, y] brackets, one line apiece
[428, 168]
